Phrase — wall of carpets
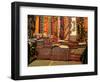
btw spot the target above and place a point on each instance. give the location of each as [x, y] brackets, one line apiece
[57, 26]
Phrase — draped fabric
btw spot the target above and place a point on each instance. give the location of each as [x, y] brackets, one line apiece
[61, 28]
[46, 24]
[58, 26]
[41, 24]
[49, 25]
[37, 25]
[55, 26]
[82, 25]
[52, 25]
[67, 26]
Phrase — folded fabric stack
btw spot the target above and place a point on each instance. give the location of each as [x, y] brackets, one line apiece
[40, 43]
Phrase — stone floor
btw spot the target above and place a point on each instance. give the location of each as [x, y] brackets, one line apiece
[52, 63]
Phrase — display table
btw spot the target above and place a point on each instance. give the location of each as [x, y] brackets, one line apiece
[53, 53]
[60, 53]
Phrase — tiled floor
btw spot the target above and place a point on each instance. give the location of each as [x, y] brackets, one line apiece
[52, 63]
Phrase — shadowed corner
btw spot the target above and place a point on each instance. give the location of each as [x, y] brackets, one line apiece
[84, 57]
